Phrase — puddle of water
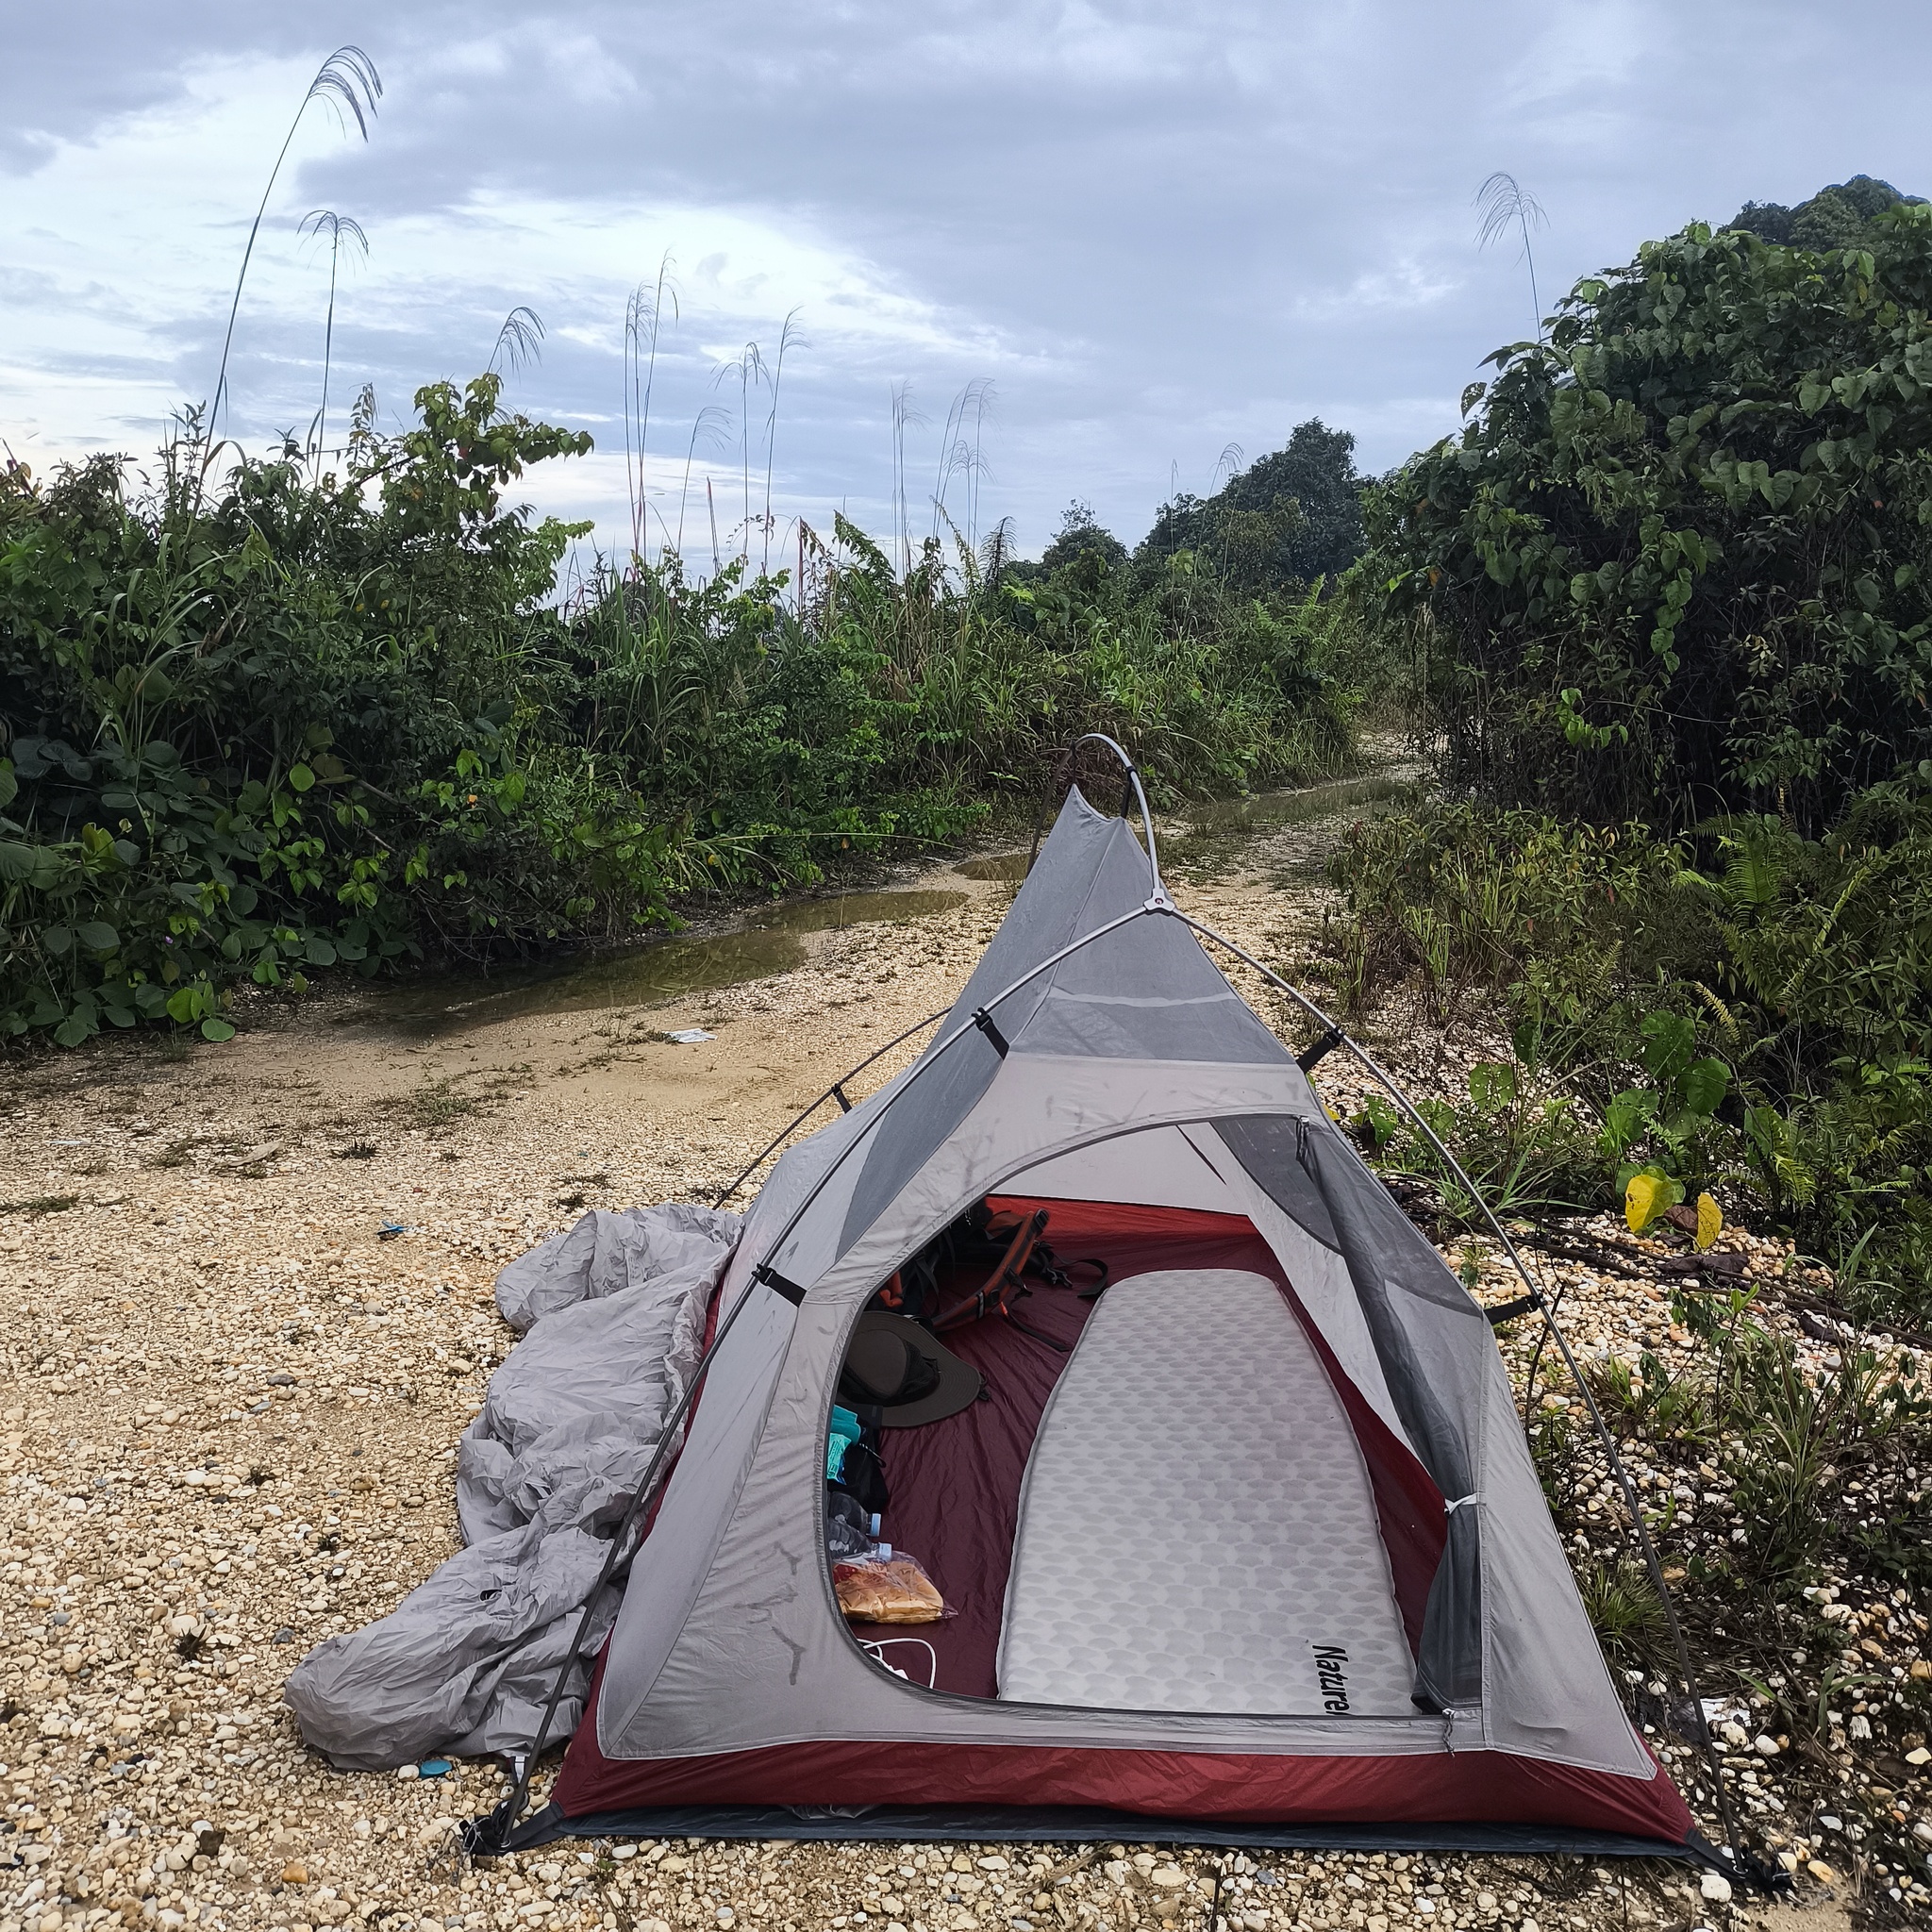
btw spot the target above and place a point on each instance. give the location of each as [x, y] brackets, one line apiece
[649, 975]
[1225, 817]
[1008, 866]
[860, 908]
[1228, 835]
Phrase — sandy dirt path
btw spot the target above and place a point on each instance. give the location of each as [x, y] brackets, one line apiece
[230, 1400]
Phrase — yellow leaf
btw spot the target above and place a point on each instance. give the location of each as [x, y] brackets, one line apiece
[1710, 1222]
[1643, 1198]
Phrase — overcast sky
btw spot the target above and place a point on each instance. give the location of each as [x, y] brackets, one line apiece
[1156, 230]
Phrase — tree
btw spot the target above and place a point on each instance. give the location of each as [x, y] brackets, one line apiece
[1677, 560]
[1835, 217]
[1292, 517]
[1080, 544]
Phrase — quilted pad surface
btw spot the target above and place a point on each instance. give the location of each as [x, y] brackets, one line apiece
[1197, 1532]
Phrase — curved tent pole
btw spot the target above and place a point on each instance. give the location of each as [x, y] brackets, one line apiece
[1134, 790]
[836, 1090]
[490, 1835]
[1335, 1035]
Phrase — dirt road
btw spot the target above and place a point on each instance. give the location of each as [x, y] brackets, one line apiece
[247, 1292]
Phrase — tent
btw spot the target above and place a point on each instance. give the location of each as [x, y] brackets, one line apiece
[1248, 1543]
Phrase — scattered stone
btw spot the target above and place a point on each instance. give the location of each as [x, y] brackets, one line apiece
[234, 1348]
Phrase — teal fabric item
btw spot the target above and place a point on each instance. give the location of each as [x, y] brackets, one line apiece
[845, 1433]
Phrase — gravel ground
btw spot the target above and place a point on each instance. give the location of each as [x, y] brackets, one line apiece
[248, 1301]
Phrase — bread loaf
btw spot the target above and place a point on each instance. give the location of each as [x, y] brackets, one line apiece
[894, 1591]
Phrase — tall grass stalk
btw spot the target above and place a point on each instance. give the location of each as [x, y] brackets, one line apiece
[642, 320]
[957, 455]
[902, 414]
[983, 405]
[710, 417]
[519, 340]
[346, 82]
[748, 367]
[322, 221]
[1505, 203]
[789, 337]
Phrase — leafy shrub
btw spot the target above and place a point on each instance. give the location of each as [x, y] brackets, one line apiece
[1677, 563]
[263, 723]
[1757, 1023]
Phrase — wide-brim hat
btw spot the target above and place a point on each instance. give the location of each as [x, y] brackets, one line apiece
[900, 1369]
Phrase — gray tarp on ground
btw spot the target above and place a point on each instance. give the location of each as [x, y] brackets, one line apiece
[614, 1315]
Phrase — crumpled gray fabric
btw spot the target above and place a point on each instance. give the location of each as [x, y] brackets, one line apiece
[614, 1312]
[606, 1253]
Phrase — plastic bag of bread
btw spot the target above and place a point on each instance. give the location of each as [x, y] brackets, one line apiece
[886, 1587]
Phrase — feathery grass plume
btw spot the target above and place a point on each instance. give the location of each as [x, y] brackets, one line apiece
[642, 316]
[983, 405]
[338, 228]
[903, 415]
[957, 456]
[789, 337]
[517, 341]
[748, 367]
[710, 418]
[1505, 203]
[346, 83]
[1228, 466]
[996, 553]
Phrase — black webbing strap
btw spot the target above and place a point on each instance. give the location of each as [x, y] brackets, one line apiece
[1320, 1051]
[984, 1021]
[1507, 1311]
[838, 1095]
[777, 1284]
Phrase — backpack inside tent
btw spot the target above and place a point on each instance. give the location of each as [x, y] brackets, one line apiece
[1207, 1491]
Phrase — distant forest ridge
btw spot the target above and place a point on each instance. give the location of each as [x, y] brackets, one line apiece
[1288, 519]
[1294, 516]
[1835, 217]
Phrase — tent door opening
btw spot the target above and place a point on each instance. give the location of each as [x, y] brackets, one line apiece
[1161, 1500]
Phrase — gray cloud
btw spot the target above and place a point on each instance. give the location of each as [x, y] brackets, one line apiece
[1157, 230]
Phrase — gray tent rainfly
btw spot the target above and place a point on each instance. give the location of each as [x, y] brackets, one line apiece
[1242, 1534]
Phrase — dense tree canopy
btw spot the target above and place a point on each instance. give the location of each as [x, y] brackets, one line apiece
[1292, 517]
[1835, 217]
[1676, 560]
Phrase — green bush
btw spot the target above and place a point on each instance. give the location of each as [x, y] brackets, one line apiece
[260, 724]
[1677, 563]
[1748, 1012]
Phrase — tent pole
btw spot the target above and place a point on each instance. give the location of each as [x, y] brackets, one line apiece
[830, 1093]
[1134, 790]
[489, 1836]
[1334, 1035]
